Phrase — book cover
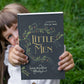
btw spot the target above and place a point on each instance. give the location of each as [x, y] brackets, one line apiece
[41, 35]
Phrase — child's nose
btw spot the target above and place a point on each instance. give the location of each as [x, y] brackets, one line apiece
[16, 36]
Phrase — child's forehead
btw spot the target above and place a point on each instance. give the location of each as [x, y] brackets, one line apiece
[8, 29]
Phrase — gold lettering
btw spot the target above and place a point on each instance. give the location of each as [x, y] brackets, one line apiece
[35, 38]
[49, 48]
[37, 47]
[43, 49]
[43, 39]
[32, 39]
[50, 38]
[46, 38]
[38, 39]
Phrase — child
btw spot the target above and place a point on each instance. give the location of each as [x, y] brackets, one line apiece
[9, 32]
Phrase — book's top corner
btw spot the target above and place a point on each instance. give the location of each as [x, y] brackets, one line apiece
[40, 13]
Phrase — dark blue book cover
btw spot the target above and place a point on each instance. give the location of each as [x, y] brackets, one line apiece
[41, 35]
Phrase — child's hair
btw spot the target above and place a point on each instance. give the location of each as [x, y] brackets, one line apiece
[15, 8]
[8, 16]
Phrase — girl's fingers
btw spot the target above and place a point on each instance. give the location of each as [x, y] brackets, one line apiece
[69, 67]
[19, 62]
[65, 65]
[21, 59]
[17, 56]
[15, 62]
[66, 53]
[66, 59]
[20, 54]
[18, 48]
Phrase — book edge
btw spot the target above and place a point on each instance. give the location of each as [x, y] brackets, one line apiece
[40, 13]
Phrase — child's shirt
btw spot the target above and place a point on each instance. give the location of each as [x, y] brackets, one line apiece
[15, 74]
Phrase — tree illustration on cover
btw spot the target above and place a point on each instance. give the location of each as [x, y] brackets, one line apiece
[33, 37]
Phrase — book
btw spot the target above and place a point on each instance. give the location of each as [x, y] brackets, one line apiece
[41, 35]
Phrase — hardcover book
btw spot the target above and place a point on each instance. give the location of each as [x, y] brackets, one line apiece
[41, 35]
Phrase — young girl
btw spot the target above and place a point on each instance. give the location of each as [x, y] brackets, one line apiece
[14, 54]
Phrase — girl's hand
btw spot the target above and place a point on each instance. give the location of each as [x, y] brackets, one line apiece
[16, 56]
[66, 61]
